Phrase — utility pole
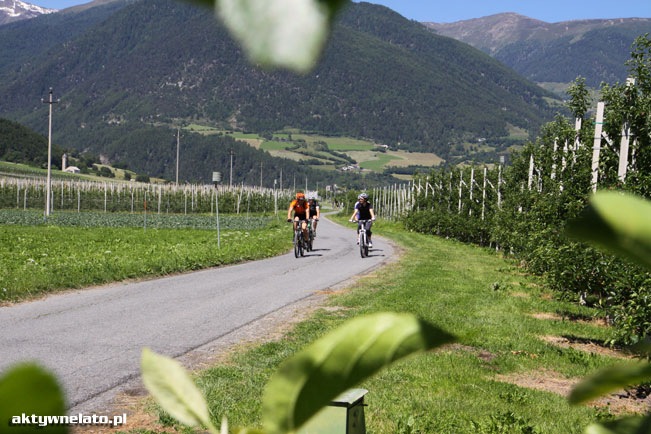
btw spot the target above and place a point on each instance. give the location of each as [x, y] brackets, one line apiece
[49, 156]
[178, 146]
[230, 184]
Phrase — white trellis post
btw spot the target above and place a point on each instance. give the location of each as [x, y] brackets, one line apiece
[483, 196]
[596, 148]
[499, 184]
[460, 188]
[472, 181]
[531, 165]
[577, 139]
[450, 193]
[105, 195]
[553, 174]
[624, 145]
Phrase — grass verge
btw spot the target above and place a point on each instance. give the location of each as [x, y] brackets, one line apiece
[471, 292]
[42, 259]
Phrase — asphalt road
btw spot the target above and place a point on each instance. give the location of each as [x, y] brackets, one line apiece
[92, 339]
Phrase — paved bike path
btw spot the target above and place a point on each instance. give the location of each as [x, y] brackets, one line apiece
[92, 338]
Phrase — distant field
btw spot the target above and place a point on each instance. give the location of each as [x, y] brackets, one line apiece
[15, 169]
[414, 159]
[288, 154]
[337, 143]
[378, 163]
[517, 132]
[269, 145]
[327, 167]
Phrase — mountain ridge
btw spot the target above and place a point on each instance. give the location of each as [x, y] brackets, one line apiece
[596, 49]
[17, 10]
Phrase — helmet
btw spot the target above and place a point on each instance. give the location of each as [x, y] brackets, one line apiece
[311, 197]
[300, 196]
[363, 196]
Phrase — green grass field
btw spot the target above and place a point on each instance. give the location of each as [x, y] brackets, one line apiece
[464, 388]
[377, 164]
[269, 145]
[47, 258]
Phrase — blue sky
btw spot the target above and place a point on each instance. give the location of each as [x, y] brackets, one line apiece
[546, 10]
[445, 11]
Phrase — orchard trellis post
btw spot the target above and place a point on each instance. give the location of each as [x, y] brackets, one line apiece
[596, 148]
[624, 145]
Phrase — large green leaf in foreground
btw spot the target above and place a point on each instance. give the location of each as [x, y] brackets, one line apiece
[609, 380]
[174, 390]
[625, 425]
[341, 359]
[618, 222]
[29, 389]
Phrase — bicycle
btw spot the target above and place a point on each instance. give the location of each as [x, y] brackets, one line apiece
[310, 235]
[363, 238]
[299, 241]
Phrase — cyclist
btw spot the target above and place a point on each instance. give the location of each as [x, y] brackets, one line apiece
[300, 208]
[314, 212]
[364, 211]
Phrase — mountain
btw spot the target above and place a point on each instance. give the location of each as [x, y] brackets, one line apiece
[37, 38]
[152, 63]
[19, 144]
[16, 10]
[553, 52]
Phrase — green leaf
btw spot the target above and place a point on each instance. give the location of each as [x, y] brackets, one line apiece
[29, 389]
[341, 359]
[625, 425]
[618, 222]
[280, 33]
[608, 380]
[174, 390]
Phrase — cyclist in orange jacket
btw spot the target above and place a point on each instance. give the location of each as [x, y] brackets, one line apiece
[300, 208]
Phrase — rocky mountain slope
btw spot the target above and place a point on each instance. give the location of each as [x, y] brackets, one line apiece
[552, 52]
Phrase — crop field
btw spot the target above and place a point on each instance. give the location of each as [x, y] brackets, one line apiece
[46, 258]
[122, 220]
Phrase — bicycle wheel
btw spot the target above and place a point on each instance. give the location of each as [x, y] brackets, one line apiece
[297, 244]
[302, 243]
[310, 240]
[362, 243]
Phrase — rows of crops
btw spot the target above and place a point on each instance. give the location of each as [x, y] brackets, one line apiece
[122, 220]
[80, 196]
